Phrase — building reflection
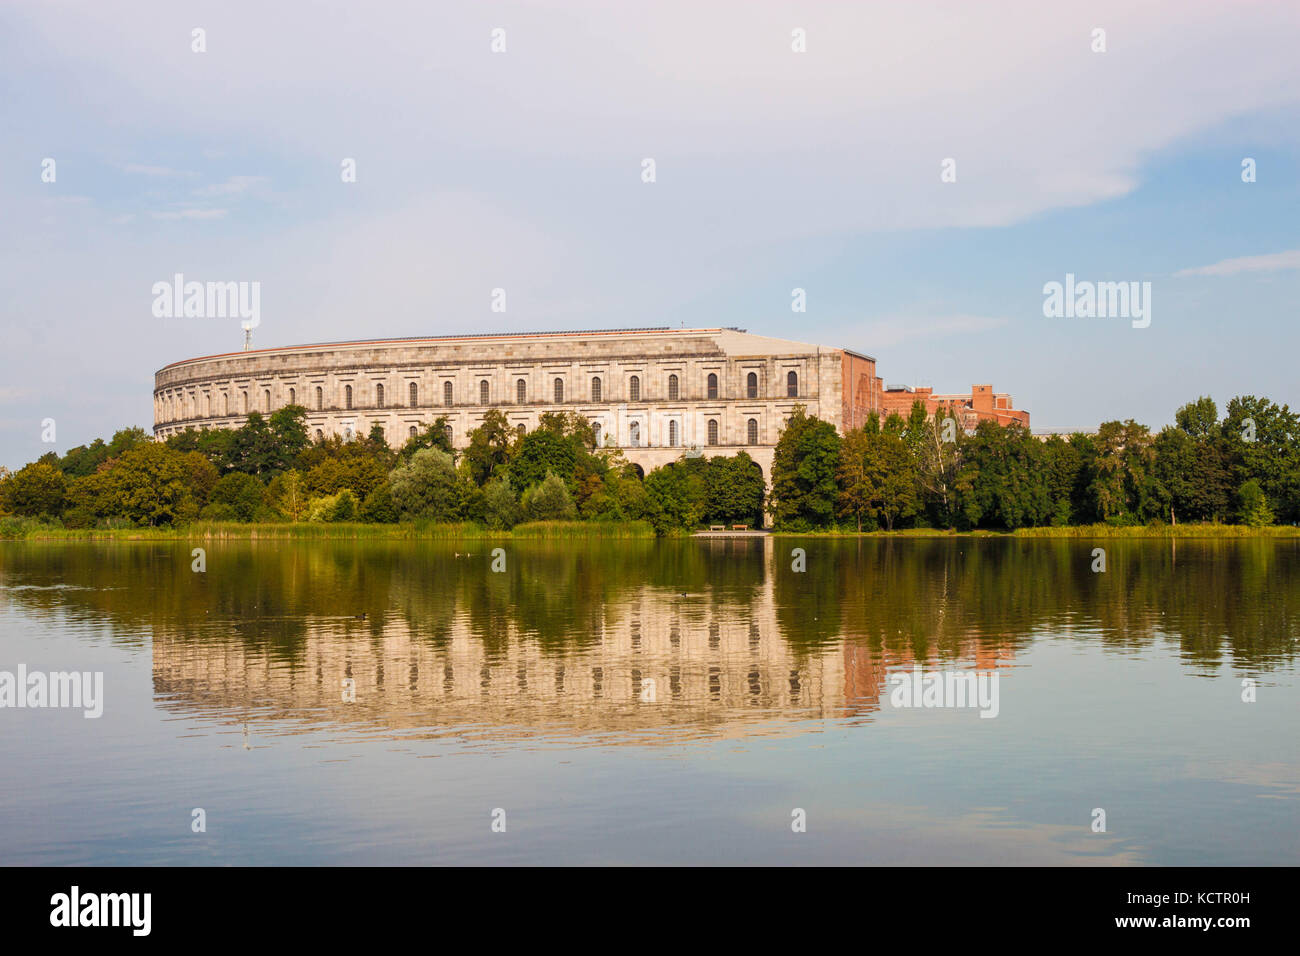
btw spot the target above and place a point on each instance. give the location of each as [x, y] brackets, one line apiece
[651, 664]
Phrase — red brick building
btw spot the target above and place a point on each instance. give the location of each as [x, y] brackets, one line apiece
[981, 404]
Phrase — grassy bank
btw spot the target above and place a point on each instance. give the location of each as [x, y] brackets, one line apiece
[1071, 531]
[26, 529]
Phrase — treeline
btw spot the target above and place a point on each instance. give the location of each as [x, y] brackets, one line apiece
[923, 471]
[269, 470]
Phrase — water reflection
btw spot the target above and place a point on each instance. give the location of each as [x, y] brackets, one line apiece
[635, 641]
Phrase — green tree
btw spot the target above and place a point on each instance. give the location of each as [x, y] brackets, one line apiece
[489, 447]
[804, 489]
[149, 486]
[431, 436]
[236, 497]
[1262, 441]
[500, 506]
[427, 487]
[549, 500]
[378, 508]
[542, 451]
[734, 490]
[676, 498]
[34, 490]
[1252, 505]
[287, 495]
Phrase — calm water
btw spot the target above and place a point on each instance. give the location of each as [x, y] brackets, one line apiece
[653, 702]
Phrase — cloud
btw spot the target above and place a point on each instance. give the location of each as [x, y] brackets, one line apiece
[190, 214]
[233, 186]
[160, 171]
[893, 329]
[1271, 262]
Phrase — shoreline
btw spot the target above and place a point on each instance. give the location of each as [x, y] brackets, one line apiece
[603, 530]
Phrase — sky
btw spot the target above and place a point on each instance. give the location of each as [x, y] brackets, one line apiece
[775, 169]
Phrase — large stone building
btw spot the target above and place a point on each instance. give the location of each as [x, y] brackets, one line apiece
[653, 392]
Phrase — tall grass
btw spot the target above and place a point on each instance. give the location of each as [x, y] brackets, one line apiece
[584, 529]
[33, 530]
[1161, 531]
[1071, 531]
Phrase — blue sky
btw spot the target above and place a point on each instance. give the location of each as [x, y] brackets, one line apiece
[775, 170]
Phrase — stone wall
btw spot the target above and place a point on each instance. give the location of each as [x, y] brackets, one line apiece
[649, 391]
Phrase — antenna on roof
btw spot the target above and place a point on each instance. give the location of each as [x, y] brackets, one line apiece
[248, 336]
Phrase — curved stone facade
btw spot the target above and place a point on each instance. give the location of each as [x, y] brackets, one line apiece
[652, 392]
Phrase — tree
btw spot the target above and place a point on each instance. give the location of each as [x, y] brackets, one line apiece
[1252, 505]
[34, 490]
[935, 446]
[1123, 482]
[541, 452]
[500, 506]
[84, 460]
[549, 500]
[489, 447]
[804, 490]
[426, 487]
[1262, 441]
[287, 495]
[432, 436]
[734, 490]
[236, 497]
[148, 485]
[877, 476]
[675, 498]
[857, 479]
[1198, 419]
[378, 508]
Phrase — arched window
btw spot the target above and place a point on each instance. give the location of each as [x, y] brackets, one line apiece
[520, 429]
[672, 434]
[412, 431]
[446, 430]
[243, 402]
[320, 399]
[484, 393]
[347, 396]
[446, 393]
[753, 431]
[634, 389]
[713, 431]
[320, 435]
[595, 428]
[634, 433]
[792, 385]
[266, 397]
[672, 388]
[751, 385]
[293, 396]
[713, 385]
[559, 391]
[521, 392]
[414, 396]
[380, 430]
[225, 402]
[595, 389]
[379, 395]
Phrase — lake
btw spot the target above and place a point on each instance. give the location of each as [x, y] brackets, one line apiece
[656, 702]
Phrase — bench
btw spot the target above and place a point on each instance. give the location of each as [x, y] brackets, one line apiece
[717, 527]
[740, 527]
